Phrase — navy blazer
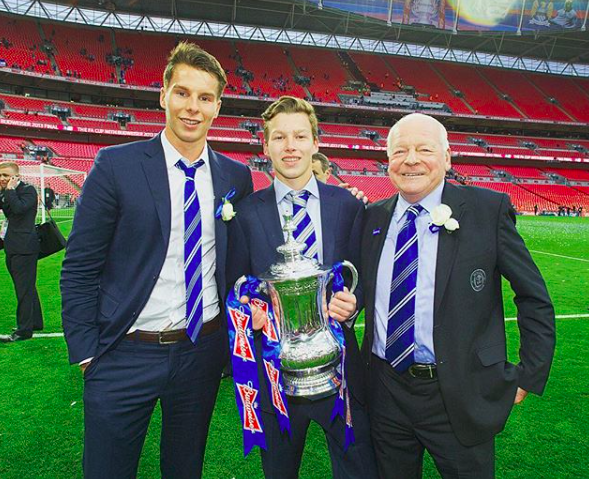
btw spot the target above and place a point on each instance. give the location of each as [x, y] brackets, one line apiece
[257, 232]
[20, 208]
[119, 241]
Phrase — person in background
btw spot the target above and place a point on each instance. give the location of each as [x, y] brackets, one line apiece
[18, 236]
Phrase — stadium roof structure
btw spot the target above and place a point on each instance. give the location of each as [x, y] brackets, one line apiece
[306, 15]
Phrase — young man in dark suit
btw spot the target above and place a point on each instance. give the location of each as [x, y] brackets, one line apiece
[432, 261]
[333, 218]
[18, 202]
[144, 279]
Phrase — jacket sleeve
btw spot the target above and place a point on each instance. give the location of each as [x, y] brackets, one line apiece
[354, 249]
[238, 257]
[535, 313]
[21, 202]
[95, 221]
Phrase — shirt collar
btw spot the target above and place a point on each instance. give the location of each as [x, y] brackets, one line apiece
[172, 155]
[429, 202]
[282, 190]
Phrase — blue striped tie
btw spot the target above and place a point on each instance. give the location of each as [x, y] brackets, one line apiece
[305, 233]
[192, 251]
[401, 322]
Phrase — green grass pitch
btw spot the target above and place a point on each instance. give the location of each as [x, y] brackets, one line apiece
[41, 395]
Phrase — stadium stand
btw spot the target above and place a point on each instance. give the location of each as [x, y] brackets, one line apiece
[375, 187]
[354, 164]
[521, 171]
[81, 52]
[376, 71]
[564, 91]
[11, 145]
[24, 47]
[325, 70]
[559, 194]
[525, 96]
[100, 54]
[582, 175]
[478, 93]
[428, 84]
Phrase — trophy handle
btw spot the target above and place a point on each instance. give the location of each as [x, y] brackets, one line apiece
[354, 272]
[239, 283]
[237, 287]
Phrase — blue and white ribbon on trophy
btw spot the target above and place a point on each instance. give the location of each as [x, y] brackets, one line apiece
[245, 369]
[245, 372]
[342, 400]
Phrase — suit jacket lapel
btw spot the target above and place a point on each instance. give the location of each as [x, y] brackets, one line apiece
[221, 186]
[154, 167]
[269, 217]
[447, 244]
[330, 209]
[381, 222]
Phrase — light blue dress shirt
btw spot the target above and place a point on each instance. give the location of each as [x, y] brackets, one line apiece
[313, 208]
[426, 277]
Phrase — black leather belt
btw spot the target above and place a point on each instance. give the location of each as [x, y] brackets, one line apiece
[423, 371]
[174, 336]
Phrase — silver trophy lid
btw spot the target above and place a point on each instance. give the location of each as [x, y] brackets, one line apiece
[295, 265]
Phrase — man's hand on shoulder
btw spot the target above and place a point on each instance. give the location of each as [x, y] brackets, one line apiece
[359, 194]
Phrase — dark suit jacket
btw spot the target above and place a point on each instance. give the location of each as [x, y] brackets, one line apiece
[478, 384]
[258, 233]
[20, 208]
[119, 240]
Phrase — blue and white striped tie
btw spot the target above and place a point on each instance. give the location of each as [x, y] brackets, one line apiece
[192, 251]
[401, 322]
[305, 233]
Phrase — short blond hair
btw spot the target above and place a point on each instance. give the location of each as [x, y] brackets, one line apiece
[10, 164]
[290, 104]
[190, 54]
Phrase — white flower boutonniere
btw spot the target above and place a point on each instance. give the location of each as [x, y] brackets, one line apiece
[442, 216]
[227, 212]
[225, 209]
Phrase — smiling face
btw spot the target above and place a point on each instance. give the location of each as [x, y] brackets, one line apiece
[290, 145]
[191, 103]
[418, 156]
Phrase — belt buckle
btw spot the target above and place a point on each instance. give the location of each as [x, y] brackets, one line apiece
[414, 368]
[162, 341]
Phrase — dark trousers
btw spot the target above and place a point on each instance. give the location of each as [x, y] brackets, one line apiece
[121, 390]
[282, 459]
[23, 271]
[407, 416]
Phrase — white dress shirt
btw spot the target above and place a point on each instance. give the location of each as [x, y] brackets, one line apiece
[426, 278]
[166, 307]
[313, 208]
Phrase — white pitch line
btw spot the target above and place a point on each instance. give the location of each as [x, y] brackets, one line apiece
[560, 255]
[359, 325]
[560, 316]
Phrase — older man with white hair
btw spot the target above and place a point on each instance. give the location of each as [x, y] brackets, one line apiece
[432, 261]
